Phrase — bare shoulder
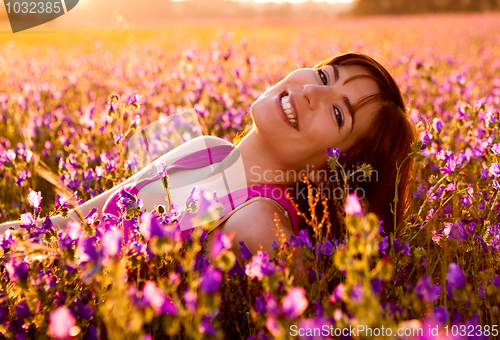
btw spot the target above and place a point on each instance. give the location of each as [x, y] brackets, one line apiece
[255, 225]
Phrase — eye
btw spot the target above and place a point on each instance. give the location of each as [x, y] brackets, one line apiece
[338, 116]
[323, 76]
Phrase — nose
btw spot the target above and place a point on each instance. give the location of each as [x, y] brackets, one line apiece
[312, 95]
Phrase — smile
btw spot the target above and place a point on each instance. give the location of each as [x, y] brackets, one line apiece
[287, 108]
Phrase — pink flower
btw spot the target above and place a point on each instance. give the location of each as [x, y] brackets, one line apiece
[295, 302]
[353, 206]
[60, 323]
[160, 303]
[259, 267]
[35, 198]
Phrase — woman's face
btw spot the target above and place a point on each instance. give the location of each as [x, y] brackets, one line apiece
[317, 115]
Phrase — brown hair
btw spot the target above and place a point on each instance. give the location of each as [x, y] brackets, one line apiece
[386, 143]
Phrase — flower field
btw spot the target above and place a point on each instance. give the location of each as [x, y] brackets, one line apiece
[69, 100]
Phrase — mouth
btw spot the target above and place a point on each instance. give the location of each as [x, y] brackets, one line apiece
[288, 109]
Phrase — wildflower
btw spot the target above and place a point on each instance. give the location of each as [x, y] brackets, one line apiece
[220, 242]
[87, 251]
[155, 296]
[27, 221]
[466, 201]
[397, 247]
[384, 245]
[245, 253]
[200, 262]
[304, 238]
[494, 169]
[61, 322]
[426, 291]
[259, 267]
[35, 198]
[210, 280]
[150, 227]
[62, 202]
[335, 152]
[376, 284]
[272, 326]
[357, 292]
[47, 224]
[496, 280]
[295, 302]
[325, 248]
[455, 276]
[437, 124]
[135, 99]
[74, 230]
[22, 310]
[17, 269]
[206, 327]
[260, 305]
[440, 314]
[191, 299]
[496, 149]
[353, 206]
[112, 243]
[338, 293]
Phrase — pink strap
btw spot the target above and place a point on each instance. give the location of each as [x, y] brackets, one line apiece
[207, 157]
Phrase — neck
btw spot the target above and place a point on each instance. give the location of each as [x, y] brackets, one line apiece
[261, 166]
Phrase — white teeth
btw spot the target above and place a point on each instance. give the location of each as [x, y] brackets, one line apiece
[287, 108]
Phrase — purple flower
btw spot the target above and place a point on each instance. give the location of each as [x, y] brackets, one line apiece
[496, 149]
[200, 262]
[62, 202]
[35, 198]
[210, 280]
[384, 245]
[135, 99]
[220, 242]
[27, 221]
[496, 280]
[74, 230]
[61, 321]
[294, 303]
[357, 292]
[426, 291]
[47, 224]
[441, 314]
[335, 152]
[304, 238]
[206, 327]
[494, 169]
[466, 201]
[112, 243]
[17, 269]
[22, 310]
[437, 124]
[150, 227]
[327, 248]
[87, 251]
[155, 296]
[317, 323]
[376, 284]
[353, 206]
[455, 276]
[245, 253]
[260, 305]
[259, 267]
[191, 299]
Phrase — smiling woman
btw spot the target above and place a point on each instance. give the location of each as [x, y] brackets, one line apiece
[349, 102]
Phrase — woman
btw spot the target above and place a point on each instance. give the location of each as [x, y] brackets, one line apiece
[349, 102]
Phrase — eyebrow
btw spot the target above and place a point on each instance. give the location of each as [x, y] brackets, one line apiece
[347, 103]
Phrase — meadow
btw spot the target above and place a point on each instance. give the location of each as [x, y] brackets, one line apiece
[69, 99]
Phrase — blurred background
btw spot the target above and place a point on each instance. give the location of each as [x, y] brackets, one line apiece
[154, 13]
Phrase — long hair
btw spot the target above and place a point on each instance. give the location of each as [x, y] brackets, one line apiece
[384, 146]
